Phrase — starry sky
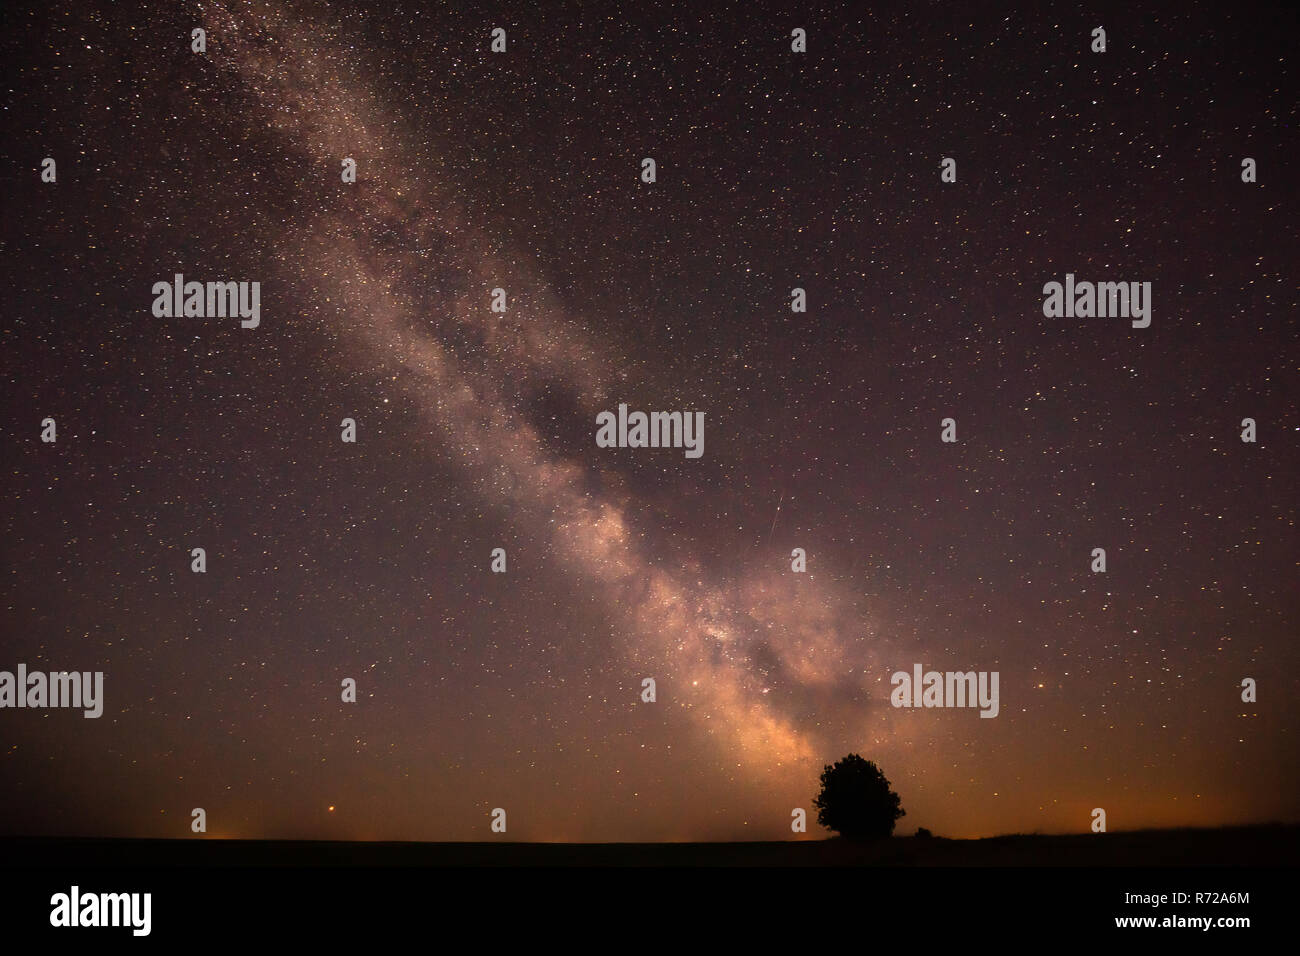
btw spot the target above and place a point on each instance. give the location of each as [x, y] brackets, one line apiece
[475, 429]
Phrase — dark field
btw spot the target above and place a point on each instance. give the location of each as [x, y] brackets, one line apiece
[1275, 845]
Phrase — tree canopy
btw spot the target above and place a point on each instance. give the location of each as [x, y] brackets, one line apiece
[855, 800]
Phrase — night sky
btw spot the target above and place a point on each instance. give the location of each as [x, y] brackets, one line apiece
[476, 429]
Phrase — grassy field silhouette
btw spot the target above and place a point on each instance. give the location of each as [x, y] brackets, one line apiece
[1263, 845]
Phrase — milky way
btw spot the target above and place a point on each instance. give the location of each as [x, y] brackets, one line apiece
[701, 637]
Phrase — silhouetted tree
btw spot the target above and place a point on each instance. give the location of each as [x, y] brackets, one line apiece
[855, 800]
